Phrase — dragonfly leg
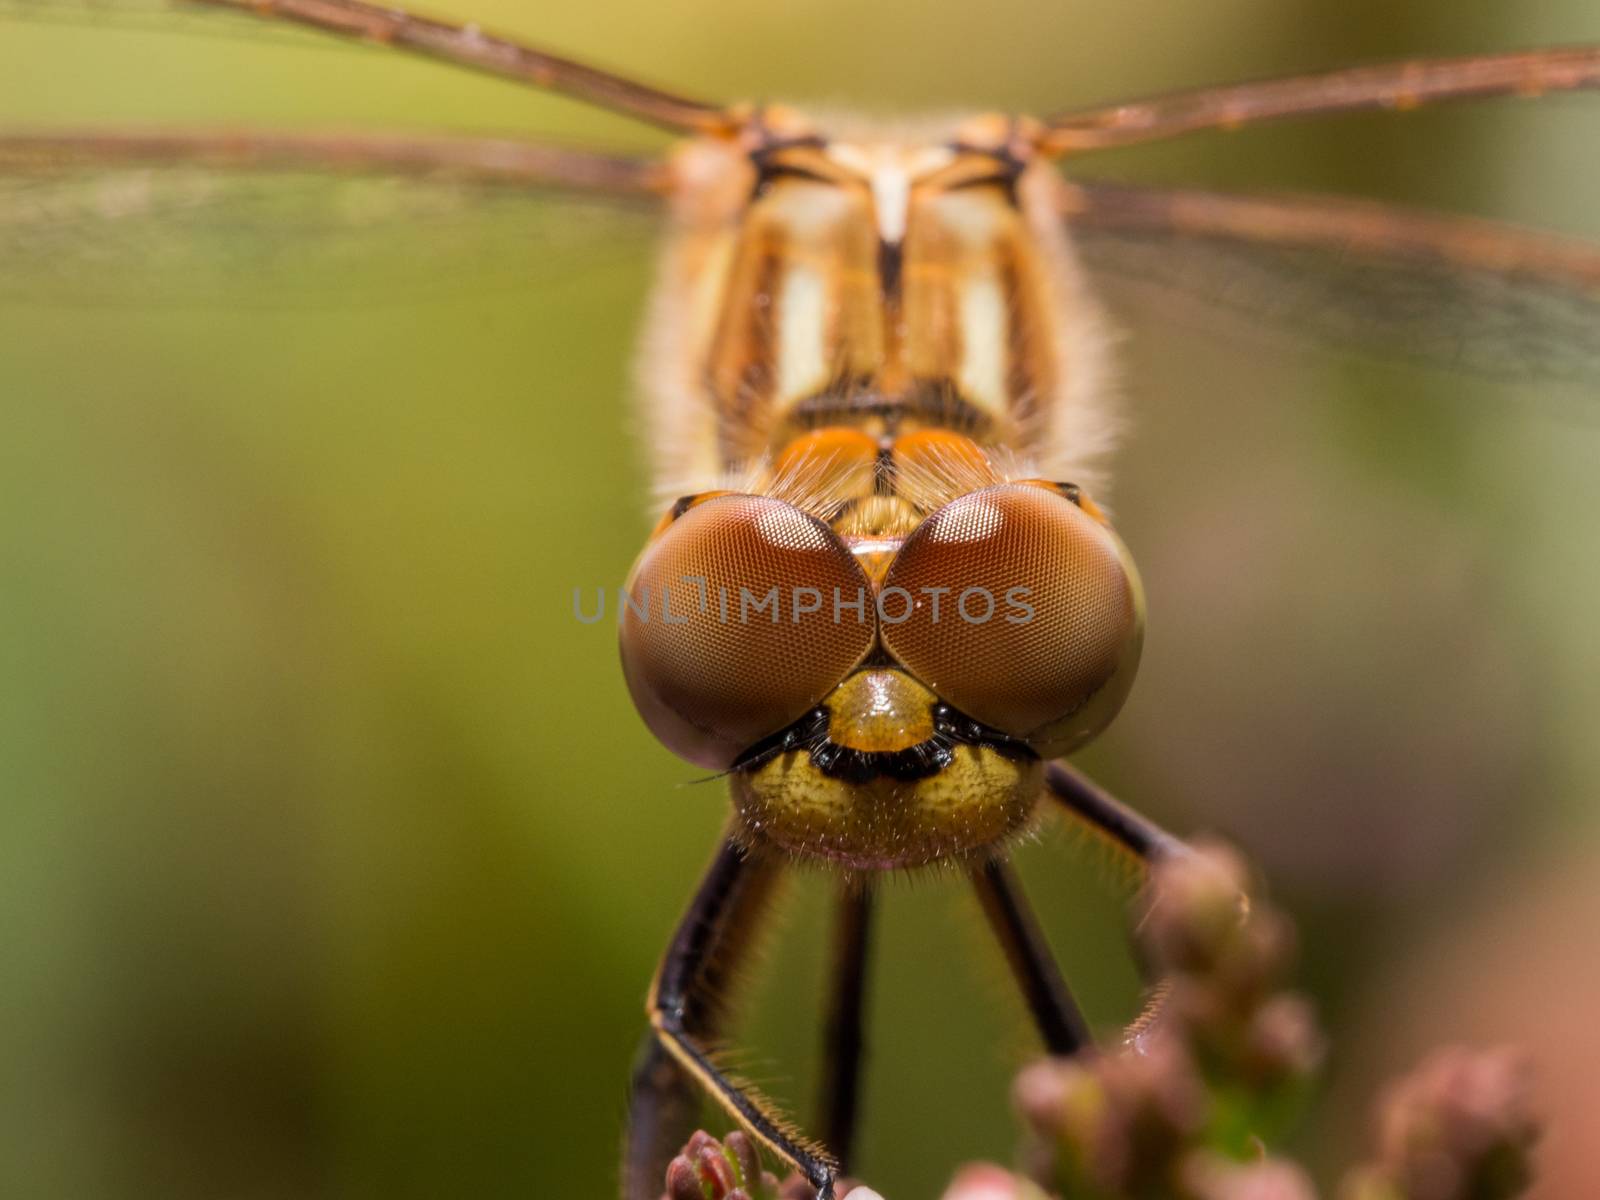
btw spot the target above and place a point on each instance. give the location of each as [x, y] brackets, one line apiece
[686, 1006]
[1055, 1012]
[1134, 833]
[1092, 804]
[663, 1109]
[844, 1041]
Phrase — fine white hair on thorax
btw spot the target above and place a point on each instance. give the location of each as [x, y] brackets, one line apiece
[1068, 426]
[1082, 426]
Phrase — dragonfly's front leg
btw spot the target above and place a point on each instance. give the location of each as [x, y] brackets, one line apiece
[687, 1001]
[1108, 816]
[1134, 834]
[663, 1108]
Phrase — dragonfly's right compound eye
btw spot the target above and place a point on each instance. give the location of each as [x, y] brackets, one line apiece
[738, 618]
[1042, 620]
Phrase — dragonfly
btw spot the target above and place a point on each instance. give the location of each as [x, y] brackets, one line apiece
[882, 599]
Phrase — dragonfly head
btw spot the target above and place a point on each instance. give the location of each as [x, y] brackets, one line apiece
[893, 704]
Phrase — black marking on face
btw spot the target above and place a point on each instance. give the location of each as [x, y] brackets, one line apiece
[952, 728]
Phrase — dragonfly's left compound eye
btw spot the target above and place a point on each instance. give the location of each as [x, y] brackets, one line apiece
[1015, 605]
[738, 618]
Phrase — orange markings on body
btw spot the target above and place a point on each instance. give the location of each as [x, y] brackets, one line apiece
[939, 449]
[833, 448]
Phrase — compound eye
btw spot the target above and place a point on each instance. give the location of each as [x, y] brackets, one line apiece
[739, 617]
[1019, 609]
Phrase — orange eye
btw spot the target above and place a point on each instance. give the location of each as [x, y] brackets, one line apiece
[1019, 609]
[738, 618]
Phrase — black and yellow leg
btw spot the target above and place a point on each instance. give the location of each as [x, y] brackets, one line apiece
[1108, 816]
[1136, 836]
[1060, 1023]
[663, 1110]
[844, 1043]
[686, 1007]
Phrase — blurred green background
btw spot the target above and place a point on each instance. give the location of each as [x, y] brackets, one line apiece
[333, 858]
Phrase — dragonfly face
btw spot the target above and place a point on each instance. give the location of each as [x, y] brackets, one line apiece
[880, 627]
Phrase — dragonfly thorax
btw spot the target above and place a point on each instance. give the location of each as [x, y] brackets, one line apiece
[885, 284]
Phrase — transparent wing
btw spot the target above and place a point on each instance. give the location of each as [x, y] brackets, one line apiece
[1393, 86]
[169, 17]
[182, 219]
[1442, 291]
[464, 47]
